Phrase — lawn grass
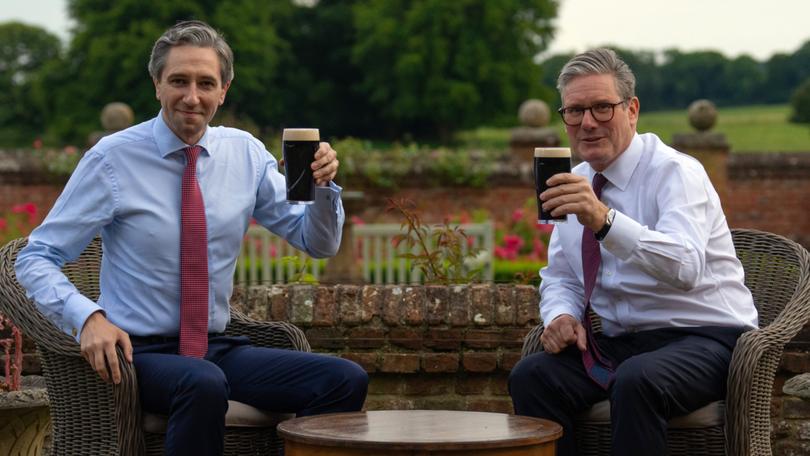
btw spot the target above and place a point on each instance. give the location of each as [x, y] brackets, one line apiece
[747, 128]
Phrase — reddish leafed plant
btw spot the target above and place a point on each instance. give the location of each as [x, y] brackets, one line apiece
[12, 349]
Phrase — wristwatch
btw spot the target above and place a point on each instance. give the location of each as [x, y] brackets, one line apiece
[611, 214]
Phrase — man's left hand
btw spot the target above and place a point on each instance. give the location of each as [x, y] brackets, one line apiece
[573, 194]
[325, 165]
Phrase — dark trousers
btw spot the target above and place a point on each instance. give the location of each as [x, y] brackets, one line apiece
[194, 393]
[661, 374]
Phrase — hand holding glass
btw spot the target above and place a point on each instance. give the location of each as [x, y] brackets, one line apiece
[549, 161]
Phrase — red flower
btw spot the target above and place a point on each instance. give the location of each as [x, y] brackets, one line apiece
[517, 215]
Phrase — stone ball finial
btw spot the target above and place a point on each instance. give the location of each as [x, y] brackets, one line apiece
[116, 116]
[702, 114]
[534, 113]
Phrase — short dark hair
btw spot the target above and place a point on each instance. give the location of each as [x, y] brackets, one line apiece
[194, 33]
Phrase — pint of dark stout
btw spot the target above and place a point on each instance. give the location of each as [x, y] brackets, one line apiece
[549, 161]
[299, 146]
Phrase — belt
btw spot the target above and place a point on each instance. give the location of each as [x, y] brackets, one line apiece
[155, 340]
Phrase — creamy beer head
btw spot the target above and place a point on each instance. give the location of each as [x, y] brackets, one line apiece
[552, 152]
[301, 134]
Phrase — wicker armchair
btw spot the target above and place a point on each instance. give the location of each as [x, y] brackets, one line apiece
[91, 417]
[777, 271]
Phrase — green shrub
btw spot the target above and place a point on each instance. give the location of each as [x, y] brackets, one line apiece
[800, 102]
[518, 271]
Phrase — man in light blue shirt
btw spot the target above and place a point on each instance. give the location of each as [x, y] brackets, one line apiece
[663, 277]
[127, 189]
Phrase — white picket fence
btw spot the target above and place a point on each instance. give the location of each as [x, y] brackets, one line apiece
[262, 260]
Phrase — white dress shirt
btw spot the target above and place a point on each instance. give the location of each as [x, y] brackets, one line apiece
[668, 259]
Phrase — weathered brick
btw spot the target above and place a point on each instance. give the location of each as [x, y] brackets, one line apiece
[793, 407]
[499, 384]
[494, 404]
[505, 309]
[279, 303]
[508, 360]
[302, 299]
[371, 302]
[479, 361]
[796, 362]
[392, 305]
[444, 338]
[325, 338]
[440, 403]
[414, 305]
[429, 385]
[350, 309]
[513, 338]
[459, 310]
[368, 361]
[482, 338]
[471, 384]
[440, 362]
[389, 403]
[400, 363]
[437, 299]
[324, 311]
[527, 300]
[254, 304]
[387, 384]
[406, 337]
[365, 337]
[482, 305]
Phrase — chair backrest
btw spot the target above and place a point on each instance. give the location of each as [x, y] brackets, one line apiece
[775, 267]
[83, 272]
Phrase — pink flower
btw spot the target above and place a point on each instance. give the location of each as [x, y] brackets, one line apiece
[70, 150]
[356, 220]
[3, 226]
[539, 248]
[517, 215]
[513, 242]
[27, 208]
[543, 228]
[37, 143]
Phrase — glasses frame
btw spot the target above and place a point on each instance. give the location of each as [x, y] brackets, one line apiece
[562, 110]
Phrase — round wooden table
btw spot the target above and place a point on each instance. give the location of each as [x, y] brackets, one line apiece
[419, 432]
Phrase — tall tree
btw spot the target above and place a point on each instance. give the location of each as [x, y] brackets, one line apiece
[24, 51]
[432, 66]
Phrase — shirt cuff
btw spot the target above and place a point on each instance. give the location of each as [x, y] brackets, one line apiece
[77, 309]
[623, 236]
[329, 194]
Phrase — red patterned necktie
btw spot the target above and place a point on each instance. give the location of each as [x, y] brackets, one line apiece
[599, 368]
[193, 263]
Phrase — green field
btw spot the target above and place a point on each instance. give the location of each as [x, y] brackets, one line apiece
[747, 129]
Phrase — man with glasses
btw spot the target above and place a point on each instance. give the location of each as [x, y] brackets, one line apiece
[647, 249]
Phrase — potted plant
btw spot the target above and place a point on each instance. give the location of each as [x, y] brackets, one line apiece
[24, 414]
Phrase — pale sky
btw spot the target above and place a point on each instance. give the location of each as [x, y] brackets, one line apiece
[759, 28]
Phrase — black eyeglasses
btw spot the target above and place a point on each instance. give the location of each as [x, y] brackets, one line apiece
[603, 112]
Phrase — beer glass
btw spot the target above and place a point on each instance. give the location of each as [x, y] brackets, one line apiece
[299, 146]
[549, 161]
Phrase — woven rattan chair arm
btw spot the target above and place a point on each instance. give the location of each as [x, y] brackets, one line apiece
[531, 343]
[277, 334]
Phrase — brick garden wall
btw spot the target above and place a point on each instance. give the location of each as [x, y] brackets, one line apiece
[425, 347]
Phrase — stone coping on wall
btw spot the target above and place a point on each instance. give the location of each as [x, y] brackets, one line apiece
[774, 165]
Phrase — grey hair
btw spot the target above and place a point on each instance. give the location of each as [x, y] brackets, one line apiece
[192, 33]
[600, 61]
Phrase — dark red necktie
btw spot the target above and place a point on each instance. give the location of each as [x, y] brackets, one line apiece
[599, 367]
[193, 263]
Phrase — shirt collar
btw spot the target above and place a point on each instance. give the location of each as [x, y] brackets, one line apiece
[620, 171]
[168, 142]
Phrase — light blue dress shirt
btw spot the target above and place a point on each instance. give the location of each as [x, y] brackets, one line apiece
[668, 259]
[127, 188]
